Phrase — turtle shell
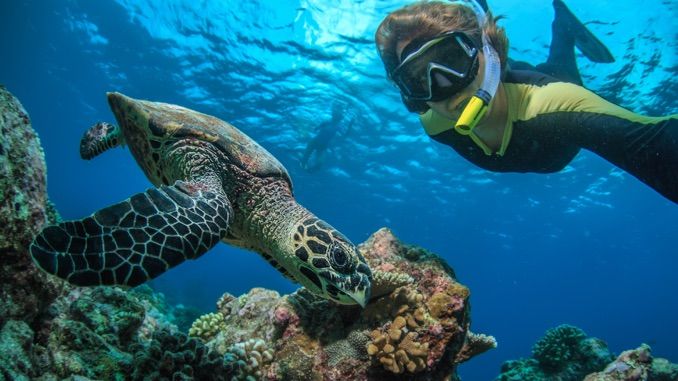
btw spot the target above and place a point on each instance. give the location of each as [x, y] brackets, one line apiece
[168, 119]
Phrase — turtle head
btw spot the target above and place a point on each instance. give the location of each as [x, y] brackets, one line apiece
[329, 265]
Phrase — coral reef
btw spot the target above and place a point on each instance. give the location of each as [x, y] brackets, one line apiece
[565, 353]
[50, 330]
[415, 327]
[558, 347]
[637, 364]
[174, 356]
[23, 194]
[24, 208]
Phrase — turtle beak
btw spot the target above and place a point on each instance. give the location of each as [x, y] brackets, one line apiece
[360, 297]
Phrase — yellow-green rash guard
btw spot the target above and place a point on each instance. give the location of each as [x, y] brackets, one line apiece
[549, 121]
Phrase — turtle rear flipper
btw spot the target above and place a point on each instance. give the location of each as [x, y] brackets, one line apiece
[135, 240]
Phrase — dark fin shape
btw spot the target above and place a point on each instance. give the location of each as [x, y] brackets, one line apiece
[584, 40]
[79, 253]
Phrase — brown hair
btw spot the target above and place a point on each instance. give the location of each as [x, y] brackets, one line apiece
[425, 20]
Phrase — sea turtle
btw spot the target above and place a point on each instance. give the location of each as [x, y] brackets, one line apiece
[212, 183]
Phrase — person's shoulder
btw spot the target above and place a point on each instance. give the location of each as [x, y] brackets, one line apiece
[528, 77]
[435, 123]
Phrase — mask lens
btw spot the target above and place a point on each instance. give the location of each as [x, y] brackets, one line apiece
[452, 55]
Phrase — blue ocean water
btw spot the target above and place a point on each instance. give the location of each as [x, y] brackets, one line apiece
[589, 246]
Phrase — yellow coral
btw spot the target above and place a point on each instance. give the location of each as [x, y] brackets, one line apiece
[442, 303]
[398, 303]
[207, 326]
[396, 347]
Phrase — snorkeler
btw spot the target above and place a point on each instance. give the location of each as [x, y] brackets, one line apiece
[458, 77]
[337, 126]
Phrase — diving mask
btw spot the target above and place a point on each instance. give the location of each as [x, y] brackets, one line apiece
[451, 57]
[414, 97]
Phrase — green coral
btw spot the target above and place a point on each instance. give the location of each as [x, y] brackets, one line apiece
[247, 359]
[207, 326]
[558, 347]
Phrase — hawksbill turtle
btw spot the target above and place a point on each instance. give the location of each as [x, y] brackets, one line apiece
[212, 183]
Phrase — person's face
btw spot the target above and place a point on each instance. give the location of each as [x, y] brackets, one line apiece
[454, 105]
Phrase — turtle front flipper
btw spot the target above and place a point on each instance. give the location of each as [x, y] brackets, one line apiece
[99, 138]
[135, 240]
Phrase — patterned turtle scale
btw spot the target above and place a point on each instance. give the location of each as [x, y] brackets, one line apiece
[135, 240]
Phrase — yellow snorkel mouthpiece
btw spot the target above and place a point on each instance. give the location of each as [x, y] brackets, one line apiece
[473, 113]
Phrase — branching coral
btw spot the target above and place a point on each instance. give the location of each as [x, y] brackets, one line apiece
[246, 359]
[396, 347]
[475, 344]
[398, 351]
[397, 303]
[207, 326]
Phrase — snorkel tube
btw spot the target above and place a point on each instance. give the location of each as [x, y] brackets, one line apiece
[477, 106]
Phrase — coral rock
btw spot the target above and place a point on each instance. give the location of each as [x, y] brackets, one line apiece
[564, 354]
[24, 209]
[637, 364]
[417, 326]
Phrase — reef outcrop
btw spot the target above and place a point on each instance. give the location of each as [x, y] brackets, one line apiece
[566, 353]
[24, 208]
[415, 327]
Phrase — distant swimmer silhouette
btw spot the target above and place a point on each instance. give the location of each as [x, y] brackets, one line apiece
[338, 126]
[449, 60]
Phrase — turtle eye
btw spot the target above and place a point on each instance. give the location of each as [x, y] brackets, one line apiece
[339, 259]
